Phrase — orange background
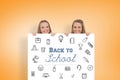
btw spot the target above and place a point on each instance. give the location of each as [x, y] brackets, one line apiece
[18, 18]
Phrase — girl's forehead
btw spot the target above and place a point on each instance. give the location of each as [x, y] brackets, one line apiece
[44, 23]
[77, 23]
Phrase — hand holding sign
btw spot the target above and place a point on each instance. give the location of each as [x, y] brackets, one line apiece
[61, 57]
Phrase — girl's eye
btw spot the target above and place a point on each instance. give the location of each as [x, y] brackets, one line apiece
[47, 26]
[74, 26]
[42, 27]
[79, 26]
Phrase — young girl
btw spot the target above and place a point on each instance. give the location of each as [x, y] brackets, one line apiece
[78, 26]
[44, 27]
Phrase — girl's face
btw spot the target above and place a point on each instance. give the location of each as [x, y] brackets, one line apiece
[44, 27]
[77, 28]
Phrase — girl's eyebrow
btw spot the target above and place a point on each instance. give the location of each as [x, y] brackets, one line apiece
[74, 26]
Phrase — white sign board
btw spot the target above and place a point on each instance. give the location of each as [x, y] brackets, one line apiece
[61, 57]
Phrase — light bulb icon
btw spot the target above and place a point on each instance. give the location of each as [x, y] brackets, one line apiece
[60, 38]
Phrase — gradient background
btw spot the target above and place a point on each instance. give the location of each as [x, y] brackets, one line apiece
[18, 18]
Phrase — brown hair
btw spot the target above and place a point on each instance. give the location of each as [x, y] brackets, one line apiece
[39, 30]
[81, 22]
